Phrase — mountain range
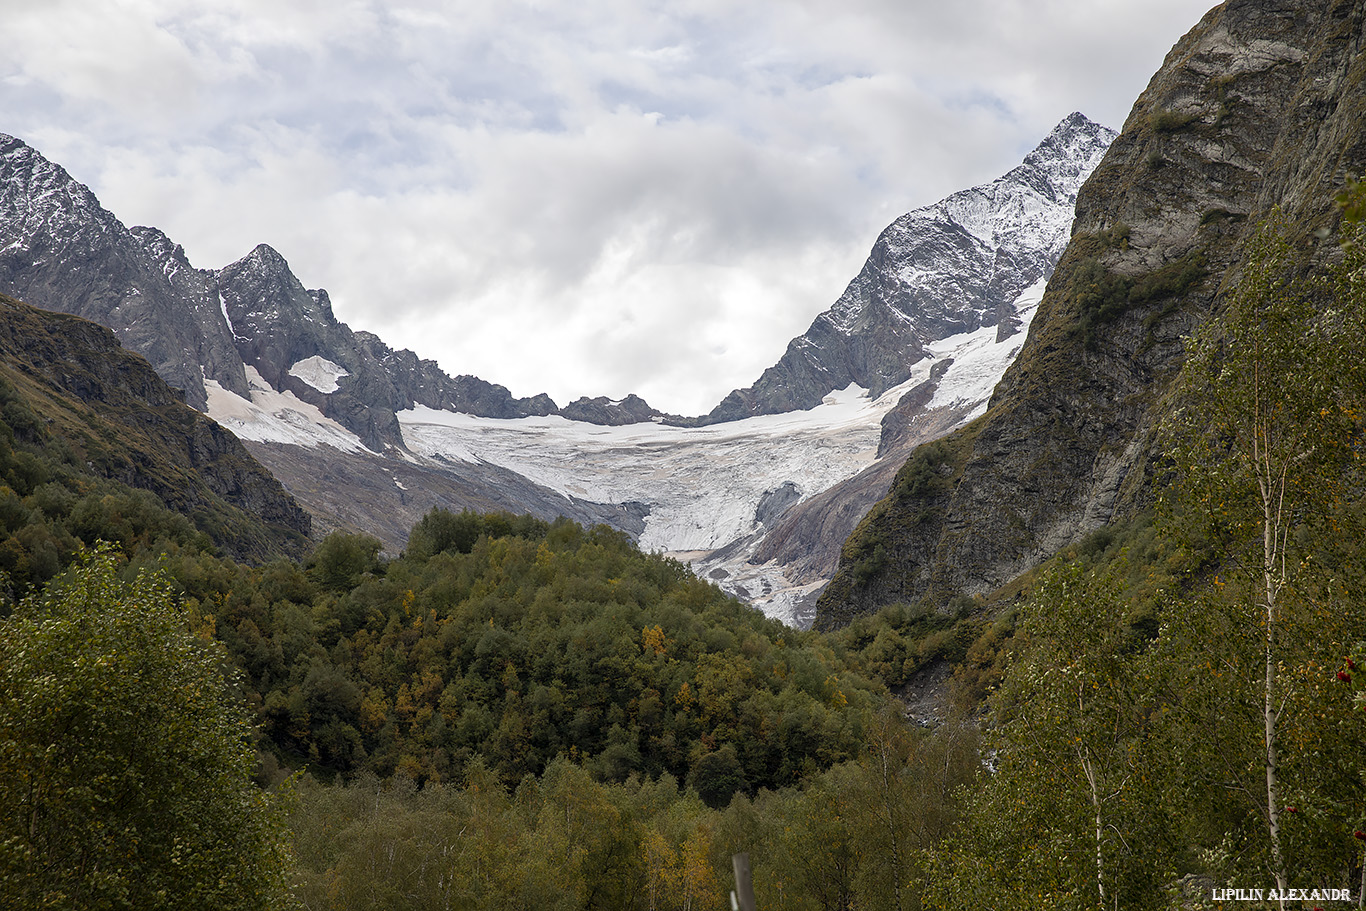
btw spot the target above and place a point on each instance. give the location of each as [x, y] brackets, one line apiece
[819, 470]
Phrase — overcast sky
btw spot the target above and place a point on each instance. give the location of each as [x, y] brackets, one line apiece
[581, 197]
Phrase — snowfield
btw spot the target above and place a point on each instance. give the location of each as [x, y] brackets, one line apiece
[319, 372]
[979, 361]
[703, 484]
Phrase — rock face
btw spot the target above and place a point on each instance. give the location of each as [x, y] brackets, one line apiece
[217, 352]
[276, 324]
[1258, 106]
[935, 272]
[602, 410]
[126, 424]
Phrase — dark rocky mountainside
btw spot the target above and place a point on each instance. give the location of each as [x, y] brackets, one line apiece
[61, 250]
[278, 324]
[602, 410]
[938, 271]
[121, 421]
[1259, 106]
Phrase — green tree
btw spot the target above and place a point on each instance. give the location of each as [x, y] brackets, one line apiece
[127, 762]
[1263, 455]
[1072, 811]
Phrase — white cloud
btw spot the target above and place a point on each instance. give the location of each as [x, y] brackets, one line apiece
[585, 198]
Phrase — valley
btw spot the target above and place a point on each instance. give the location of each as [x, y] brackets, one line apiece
[1053, 522]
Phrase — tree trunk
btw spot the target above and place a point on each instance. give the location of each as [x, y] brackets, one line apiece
[1089, 768]
[1273, 501]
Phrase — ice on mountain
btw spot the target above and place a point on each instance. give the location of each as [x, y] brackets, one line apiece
[979, 360]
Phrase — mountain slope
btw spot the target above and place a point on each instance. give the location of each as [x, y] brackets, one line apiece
[118, 420]
[938, 271]
[1256, 107]
[61, 250]
[370, 438]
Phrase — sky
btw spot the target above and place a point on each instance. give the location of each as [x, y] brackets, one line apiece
[579, 197]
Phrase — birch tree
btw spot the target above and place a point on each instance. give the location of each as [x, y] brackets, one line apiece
[1262, 442]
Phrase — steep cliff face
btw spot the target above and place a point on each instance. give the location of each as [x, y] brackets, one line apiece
[1259, 106]
[123, 422]
[278, 324]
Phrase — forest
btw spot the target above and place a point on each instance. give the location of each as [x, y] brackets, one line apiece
[515, 713]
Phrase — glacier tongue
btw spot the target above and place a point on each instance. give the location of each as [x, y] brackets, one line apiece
[976, 361]
[911, 350]
[920, 339]
[703, 484]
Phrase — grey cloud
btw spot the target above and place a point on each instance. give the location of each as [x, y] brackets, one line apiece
[680, 185]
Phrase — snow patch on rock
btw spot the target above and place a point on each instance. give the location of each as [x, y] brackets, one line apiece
[319, 372]
[979, 360]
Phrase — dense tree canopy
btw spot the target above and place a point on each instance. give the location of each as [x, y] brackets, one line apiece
[127, 761]
[519, 641]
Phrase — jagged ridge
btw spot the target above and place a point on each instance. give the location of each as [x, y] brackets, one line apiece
[62, 251]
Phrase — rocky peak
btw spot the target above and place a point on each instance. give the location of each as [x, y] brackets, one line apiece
[216, 349]
[602, 410]
[61, 250]
[937, 271]
[40, 196]
[163, 250]
[324, 302]
[1059, 165]
[275, 321]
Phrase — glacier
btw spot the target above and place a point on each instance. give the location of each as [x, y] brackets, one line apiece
[704, 485]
